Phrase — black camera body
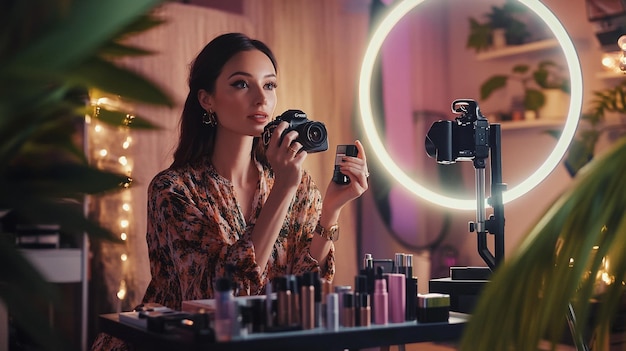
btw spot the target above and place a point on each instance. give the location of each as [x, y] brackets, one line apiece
[464, 139]
[311, 134]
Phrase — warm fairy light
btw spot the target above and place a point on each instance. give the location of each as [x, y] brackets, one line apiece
[121, 293]
[126, 143]
[114, 143]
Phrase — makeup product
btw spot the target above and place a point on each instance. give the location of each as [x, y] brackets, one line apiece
[397, 297]
[411, 289]
[381, 298]
[341, 290]
[283, 296]
[307, 295]
[332, 312]
[347, 312]
[411, 299]
[433, 308]
[360, 288]
[269, 306]
[365, 313]
[369, 272]
[317, 300]
[258, 315]
[292, 284]
[224, 309]
[399, 264]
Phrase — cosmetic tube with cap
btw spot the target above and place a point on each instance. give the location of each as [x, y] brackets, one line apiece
[307, 295]
[399, 264]
[381, 298]
[341, 290]
[224, 309]
[332, 312]
[360, 288]
[365, 308]
[347, 312]
[397, 297]
[283, 295]
[317, 300]
[292, 284]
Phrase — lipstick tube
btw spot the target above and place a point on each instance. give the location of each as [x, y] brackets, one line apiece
[283, 296]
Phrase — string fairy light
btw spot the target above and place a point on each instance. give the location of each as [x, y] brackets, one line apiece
[110, 150]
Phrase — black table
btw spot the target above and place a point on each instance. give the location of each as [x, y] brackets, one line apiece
[301, 340]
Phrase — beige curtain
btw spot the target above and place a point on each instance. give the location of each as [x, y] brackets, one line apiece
[318, 45]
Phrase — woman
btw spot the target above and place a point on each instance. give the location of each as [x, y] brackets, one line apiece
[227, 200]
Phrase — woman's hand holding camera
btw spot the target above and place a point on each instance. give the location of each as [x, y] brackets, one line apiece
[285, 156]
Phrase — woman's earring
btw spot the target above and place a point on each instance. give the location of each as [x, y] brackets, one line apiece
[209, 118]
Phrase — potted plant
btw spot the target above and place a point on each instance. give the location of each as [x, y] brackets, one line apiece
[56, 53]
[502, 27]
[546, 76]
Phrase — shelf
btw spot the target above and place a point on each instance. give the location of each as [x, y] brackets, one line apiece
[513, 50]
[611, 75]
[537, 123]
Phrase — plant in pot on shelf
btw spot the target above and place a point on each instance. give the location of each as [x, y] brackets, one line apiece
[56, 52]
[537, 84]
[501, 28]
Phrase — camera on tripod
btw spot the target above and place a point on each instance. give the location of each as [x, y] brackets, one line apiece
[464, 139]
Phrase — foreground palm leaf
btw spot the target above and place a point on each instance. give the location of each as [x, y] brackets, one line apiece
[52, 53]
[574, 254]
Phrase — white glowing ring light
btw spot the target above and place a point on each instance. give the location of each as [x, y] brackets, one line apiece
[529, 183]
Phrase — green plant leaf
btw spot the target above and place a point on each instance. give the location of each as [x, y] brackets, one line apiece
[118, 81]
[480, 35]
[494, 83]
[65, 44]
[534, 99]
[557, 264]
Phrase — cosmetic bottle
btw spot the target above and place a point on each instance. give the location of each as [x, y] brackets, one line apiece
[332, 312]
[360, 288]
[292, 283]
[381, 298]
[365, 313]
[347, 312]
[317, 300]
[399, 264]
[224, 309]
[341, 290]
[411, 289]
[397, 297]
[283, 295]
[369, 272]
[307, 295]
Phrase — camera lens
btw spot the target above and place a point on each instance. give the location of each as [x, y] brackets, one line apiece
[315, 133]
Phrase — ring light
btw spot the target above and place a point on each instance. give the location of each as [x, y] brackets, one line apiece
[575, 105]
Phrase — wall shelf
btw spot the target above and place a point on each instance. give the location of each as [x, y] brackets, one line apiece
[514, 50]
[530, 124]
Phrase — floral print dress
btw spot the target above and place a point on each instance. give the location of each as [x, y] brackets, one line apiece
[196, 228]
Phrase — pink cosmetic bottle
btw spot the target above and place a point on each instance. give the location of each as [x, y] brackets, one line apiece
[381, 298]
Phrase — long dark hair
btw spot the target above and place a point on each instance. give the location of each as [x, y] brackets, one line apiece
[197, 139]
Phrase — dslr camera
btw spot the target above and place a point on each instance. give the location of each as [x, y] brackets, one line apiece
[464, 139]
[311, 134]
